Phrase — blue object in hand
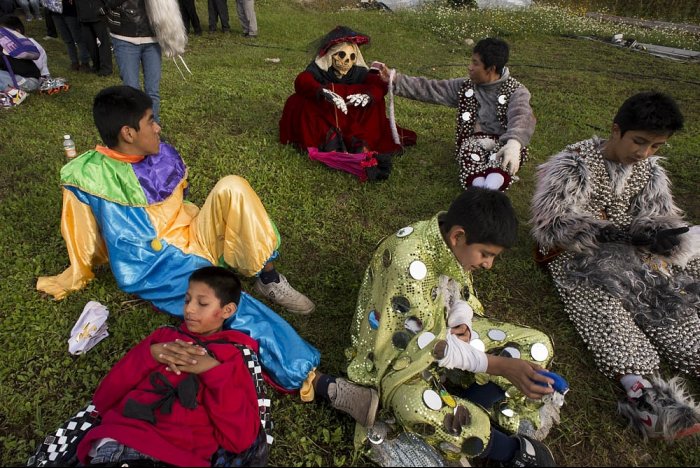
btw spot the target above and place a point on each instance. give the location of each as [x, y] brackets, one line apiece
[560, 384]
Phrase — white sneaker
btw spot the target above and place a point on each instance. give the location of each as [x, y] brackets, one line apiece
[284, 294]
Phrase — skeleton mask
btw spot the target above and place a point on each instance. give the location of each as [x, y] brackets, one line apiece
[344, 59]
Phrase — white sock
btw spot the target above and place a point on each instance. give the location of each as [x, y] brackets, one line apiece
[634, 384]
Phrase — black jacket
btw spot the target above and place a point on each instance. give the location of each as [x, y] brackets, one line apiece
[128, 18]
[90, 11]
[21, 67]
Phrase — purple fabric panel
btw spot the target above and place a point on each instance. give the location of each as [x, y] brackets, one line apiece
[160, 173]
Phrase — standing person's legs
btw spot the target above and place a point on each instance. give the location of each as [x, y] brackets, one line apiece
[151, 61]
[194, 17]
[185, 14]
[83, 53]
[211, 9]
[64, 32]
[128, 57]
[222, 7]
[36, 7]
[24, 5]
[88, 34]
[104, 52]
[50, 27]
[246, 15]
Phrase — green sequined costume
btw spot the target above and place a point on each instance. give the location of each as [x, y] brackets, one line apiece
[392, 354]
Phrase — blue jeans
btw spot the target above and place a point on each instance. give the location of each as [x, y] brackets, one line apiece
[25, 84]
[113, 452]
[69, 30]
[25, 4]
[130, 57]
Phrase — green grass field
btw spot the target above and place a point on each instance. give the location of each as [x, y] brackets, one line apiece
[223, 119]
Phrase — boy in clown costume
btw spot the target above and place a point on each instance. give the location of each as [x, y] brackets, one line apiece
[404, 317]
[123, 203]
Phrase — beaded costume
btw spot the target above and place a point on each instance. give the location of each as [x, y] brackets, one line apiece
[497, 111]
[473, 160]
[399, 317]
[630, 307]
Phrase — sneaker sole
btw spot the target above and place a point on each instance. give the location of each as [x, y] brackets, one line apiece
[301, 312]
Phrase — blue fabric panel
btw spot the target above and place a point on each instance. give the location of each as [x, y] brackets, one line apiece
[286, 356]
[156, 276]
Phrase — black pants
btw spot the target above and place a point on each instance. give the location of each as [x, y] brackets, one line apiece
[189, 15]
[218, 8]
[50, 27]
[101, 56]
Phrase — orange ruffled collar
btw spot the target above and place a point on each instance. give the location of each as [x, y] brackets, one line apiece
[129, 158]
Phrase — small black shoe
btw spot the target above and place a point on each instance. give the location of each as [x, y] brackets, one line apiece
[532, 452]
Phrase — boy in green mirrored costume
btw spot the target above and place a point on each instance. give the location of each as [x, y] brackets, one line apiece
[415, 279]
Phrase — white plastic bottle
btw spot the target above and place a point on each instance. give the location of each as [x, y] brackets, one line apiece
[69, 147]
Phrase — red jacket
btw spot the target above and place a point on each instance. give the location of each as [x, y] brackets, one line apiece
[226, 414]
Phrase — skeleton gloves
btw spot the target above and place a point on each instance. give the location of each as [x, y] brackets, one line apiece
[357, 100]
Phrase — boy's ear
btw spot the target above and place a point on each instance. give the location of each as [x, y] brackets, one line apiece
[229, 309]
[126, 134]
[615, 130]
[456, 234]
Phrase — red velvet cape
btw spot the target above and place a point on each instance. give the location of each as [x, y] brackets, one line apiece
[307, 116]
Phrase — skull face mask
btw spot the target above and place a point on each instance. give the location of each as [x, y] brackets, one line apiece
[344, 59]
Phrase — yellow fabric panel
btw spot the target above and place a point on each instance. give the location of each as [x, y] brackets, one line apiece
[307, 392]
[85, 248]
[233, 223]
[172, 219]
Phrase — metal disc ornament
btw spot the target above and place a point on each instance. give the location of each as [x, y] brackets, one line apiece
[502, 99]
[513, 352]
[469, 93]
[425, 339]
[466, 116]
[405, 231]
[539, 352]
[400, 304]
[432, 400]
[417, 270]
[496, 335]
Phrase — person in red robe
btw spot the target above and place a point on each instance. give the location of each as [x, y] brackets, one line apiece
[338, 104]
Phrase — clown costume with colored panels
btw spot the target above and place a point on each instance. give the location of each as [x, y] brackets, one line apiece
[338, 105]
[130, 211]
[401, 314]
[600, 225]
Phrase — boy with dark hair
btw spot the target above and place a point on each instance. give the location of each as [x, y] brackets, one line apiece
[181, 418]
[494, 119]
[124, 204]
[625, 264]
[414, 280]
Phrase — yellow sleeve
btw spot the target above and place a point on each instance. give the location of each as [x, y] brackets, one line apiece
[85, 248]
